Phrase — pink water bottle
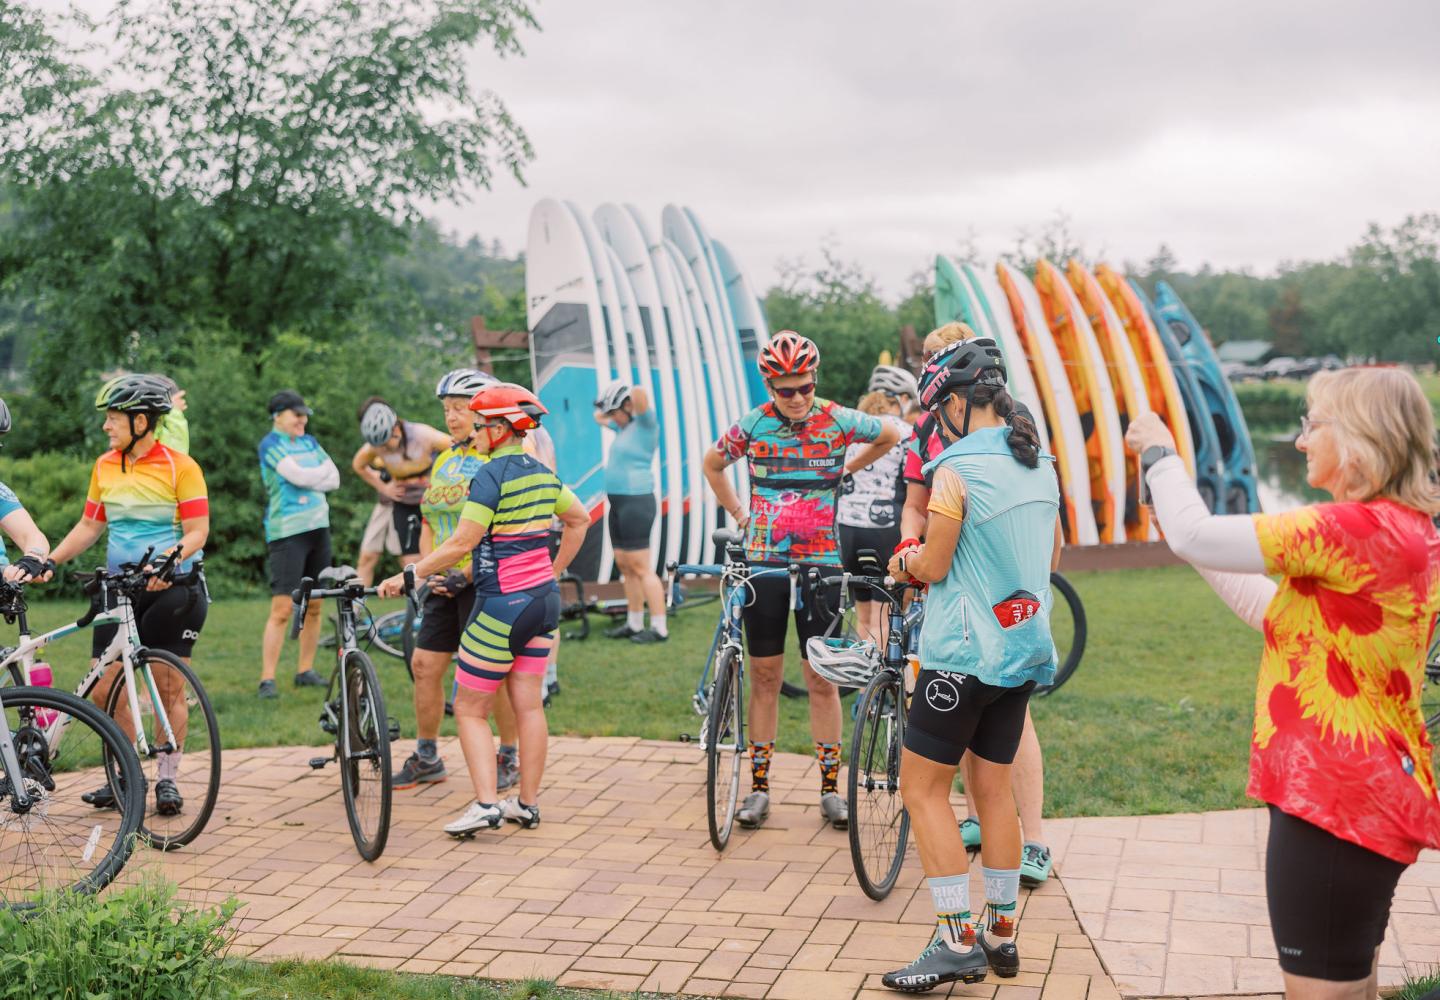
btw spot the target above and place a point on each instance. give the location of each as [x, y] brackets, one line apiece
[40, 676]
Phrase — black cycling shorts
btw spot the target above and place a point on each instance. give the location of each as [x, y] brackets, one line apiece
[407, 520]
[305, 554]
[443, 620]
[168, 619]
[853, 539]
[1329, 900]
[767, 614]
[951, 713]
[630, 521]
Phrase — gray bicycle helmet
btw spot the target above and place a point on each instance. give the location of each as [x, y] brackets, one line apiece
[134, 394]
[463, 382]
[4, 418]
[377, 423]
[895, 381]
[614, 397]
[842, 662]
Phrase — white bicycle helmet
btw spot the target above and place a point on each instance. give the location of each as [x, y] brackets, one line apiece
[377, 423]
[614, 397]
[895, 381]
[463, 382]
[843, 662]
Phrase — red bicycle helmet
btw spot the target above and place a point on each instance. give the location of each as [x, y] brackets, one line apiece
[512, 403]
[788, 353]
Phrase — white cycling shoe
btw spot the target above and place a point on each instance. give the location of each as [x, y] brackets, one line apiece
[527, 816]
[474, 819]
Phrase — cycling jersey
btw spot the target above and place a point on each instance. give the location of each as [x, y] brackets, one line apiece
[9, 504]
[410, 464]
[444, 499]
[514, 497]
[878, 491]
[629, 469]
[143, 500]
[795, 473]
[290, 509]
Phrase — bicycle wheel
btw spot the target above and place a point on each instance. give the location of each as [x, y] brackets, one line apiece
[59, 841]
[1430, 690]
[724, 747]
[389, 635]
[1068, 627]
[195, 768]
[365, 762]
[879, 824]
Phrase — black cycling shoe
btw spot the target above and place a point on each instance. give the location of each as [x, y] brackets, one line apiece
[621, 631]
[1004, 957]
[168, 801]
[310, 679]
[100, 798]
[937, 965]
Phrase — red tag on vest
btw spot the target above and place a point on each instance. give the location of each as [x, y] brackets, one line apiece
[1016, 608]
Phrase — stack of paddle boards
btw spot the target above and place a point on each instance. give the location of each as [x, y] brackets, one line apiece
[612, 298]
[1087, 351]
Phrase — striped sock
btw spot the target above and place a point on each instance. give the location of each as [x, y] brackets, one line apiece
[1002, 891]
[760, 754]
[829, 756]
[951, 896]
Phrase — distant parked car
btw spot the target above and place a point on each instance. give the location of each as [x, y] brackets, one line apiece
[1331, 363]
[1282, 368]
[1236, 371]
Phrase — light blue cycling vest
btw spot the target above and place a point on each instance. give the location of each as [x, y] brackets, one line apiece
[1005, 546]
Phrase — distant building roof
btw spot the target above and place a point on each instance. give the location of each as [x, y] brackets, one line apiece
[1247, 352]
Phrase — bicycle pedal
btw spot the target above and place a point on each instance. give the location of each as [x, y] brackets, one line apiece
[686, 738]
[316, 763]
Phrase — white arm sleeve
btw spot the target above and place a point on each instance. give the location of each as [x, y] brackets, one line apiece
[1203, 539]
[323, 477]
[1246, 594]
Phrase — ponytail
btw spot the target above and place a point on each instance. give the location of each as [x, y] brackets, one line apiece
[1023, 439]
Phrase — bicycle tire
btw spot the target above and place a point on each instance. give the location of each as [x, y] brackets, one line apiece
[724, 719]
[39, 759]
[387, 633]
[879, 823]
[1067, 667]
[154, 829]
[365, 772]
[409, 633]
[1430, 689]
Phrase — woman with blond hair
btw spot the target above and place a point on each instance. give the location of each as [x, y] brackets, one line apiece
[868, 514]
[1340, 753]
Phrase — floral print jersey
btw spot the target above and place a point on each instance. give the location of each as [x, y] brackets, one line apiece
[1339, 738]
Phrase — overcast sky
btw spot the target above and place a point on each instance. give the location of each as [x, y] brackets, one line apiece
[1239, 133]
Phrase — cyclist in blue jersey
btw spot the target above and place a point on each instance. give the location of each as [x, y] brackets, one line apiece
[795, 449]
[630, 494]
[984, 646]
[297, 474]
[505, 529]
[16, 522]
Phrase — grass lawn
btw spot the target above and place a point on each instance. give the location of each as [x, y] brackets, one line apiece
[1157, 719]
[337, 981]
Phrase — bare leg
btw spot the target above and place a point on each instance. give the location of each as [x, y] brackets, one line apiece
[310, 637]
[275, 626]
[649, 583]
[995, 801]
[630, 580]
[967, 778]
[429, 668]
[366, 566]
[526, 694]
[1306, 988]
[505, 715]
[824, 706]
[925, 789]
[1029, 782]
[472, 711]
[766, 673]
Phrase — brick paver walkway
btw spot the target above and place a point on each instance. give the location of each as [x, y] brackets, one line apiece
[1176, 904]
[618, 888]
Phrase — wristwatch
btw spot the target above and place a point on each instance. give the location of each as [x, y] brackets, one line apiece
[1148, 458]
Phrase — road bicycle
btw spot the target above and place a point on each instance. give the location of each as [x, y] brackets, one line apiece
[879, 824]
[354, 711]
[54, 747]
[170, 720]
[720, 695]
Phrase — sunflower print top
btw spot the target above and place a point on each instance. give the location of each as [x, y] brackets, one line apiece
[1339, 737]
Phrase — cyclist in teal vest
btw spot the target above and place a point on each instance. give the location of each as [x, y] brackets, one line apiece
[992, 539]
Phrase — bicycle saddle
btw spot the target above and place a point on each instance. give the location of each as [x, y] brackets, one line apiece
[724, 536]
[337, 574]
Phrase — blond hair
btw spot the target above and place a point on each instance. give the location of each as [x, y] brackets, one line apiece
[878, 402]
[1384, 431]
[944, 336]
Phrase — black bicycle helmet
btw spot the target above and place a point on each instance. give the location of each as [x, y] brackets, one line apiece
[134, 394]
[960, 367]
[4, 418]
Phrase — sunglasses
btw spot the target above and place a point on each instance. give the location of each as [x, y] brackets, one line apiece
[789, 392]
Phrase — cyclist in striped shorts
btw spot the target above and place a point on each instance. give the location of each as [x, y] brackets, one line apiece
[505, 527]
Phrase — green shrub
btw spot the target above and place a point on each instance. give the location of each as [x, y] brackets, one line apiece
[136, 944]
[1271, 406]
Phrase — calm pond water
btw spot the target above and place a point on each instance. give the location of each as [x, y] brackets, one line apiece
[1282, 474]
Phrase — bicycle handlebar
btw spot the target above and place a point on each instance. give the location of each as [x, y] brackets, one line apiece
[307, 591]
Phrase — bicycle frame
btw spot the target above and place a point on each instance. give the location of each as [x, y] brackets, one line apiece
[20, 659]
